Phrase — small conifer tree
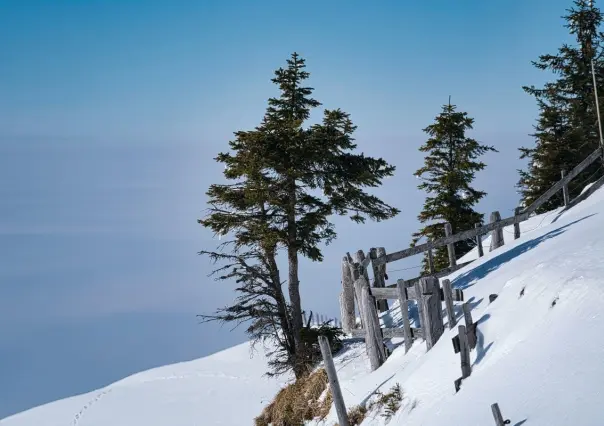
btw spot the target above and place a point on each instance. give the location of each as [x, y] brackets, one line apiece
[451, 162]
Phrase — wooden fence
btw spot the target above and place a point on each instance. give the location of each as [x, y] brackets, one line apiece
[426, 290]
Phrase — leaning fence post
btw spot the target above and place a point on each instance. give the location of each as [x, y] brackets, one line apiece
[450, 247]
[334, 384]
[347, 298]
[479, 241]
[497, 233]
[464, 351]
[373, 333]
[378, 275]
[498, 416]
[403, 302]
[448, 292]
[517, 211]
[565, 190]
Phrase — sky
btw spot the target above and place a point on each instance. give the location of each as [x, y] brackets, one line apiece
[111, 113]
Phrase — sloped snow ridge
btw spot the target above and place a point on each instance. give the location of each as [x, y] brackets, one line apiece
[540, 351]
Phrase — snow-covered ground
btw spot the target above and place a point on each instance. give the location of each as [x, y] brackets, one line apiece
[540, 351]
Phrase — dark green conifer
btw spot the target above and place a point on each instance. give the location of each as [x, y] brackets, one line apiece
[449, 169]
[566, 131]
[290, 179]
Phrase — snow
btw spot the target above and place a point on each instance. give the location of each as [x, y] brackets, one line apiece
[539, 352]
[226, 388]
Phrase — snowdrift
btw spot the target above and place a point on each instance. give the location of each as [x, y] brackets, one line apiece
[539, 355]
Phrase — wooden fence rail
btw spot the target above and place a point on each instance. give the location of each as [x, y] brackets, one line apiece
[481, 230]
[359, 296]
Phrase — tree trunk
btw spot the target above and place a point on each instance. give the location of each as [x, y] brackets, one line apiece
[293, 282]
[284, 319]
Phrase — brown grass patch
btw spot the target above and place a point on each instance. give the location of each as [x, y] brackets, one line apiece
[298, 402]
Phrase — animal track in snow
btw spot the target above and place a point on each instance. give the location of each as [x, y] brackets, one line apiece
[89, 404]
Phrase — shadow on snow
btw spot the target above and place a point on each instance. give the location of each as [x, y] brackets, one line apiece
[470, 277]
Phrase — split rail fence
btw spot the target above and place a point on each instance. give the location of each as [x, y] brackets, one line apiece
[427, 291]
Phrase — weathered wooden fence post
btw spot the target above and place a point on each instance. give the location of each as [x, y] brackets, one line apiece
[565, 195]
[431, 262]
[374, 341]
[429, 299]
[470, 326]
[464, 351]
[517, 212]
[450, 247]
[334, 384]
[347, 298]
[498, 416]
[479, 242]
[379, 272]
[448, 293]
[420, 308]
[497, 233]
[403, 302]
[355, 272]
[360, 257]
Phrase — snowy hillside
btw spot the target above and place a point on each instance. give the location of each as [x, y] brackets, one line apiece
[539, 355]
[226, 388]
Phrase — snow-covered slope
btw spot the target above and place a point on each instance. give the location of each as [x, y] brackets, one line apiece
[226, 388]
[540, 351]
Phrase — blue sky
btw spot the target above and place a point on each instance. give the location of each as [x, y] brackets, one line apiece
[111, 113]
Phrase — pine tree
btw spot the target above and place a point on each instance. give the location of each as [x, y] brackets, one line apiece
[240, 209]
[449, 169]
[566, 131]
[308, 174]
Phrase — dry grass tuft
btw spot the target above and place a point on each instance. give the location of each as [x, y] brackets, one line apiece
[356, 415]
[305, 399]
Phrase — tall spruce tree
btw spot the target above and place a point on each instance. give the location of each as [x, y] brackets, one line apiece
[308, 174]
[566, 131]
[449, 169]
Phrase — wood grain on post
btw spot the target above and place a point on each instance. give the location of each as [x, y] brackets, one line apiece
[420, 308]
[373, 336]
[360, 259]
[347, 297]
[438, 322]
[497, 233]
[355, 273]
[517, 211]
[497, 415]
[470, 326]
[464, 352]
[334, 384]
[449, 304]
[451, 246]
[565, 195]
[479, 242]
[431, 262]
[403, 302]
[431, 310]
[378, 274]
